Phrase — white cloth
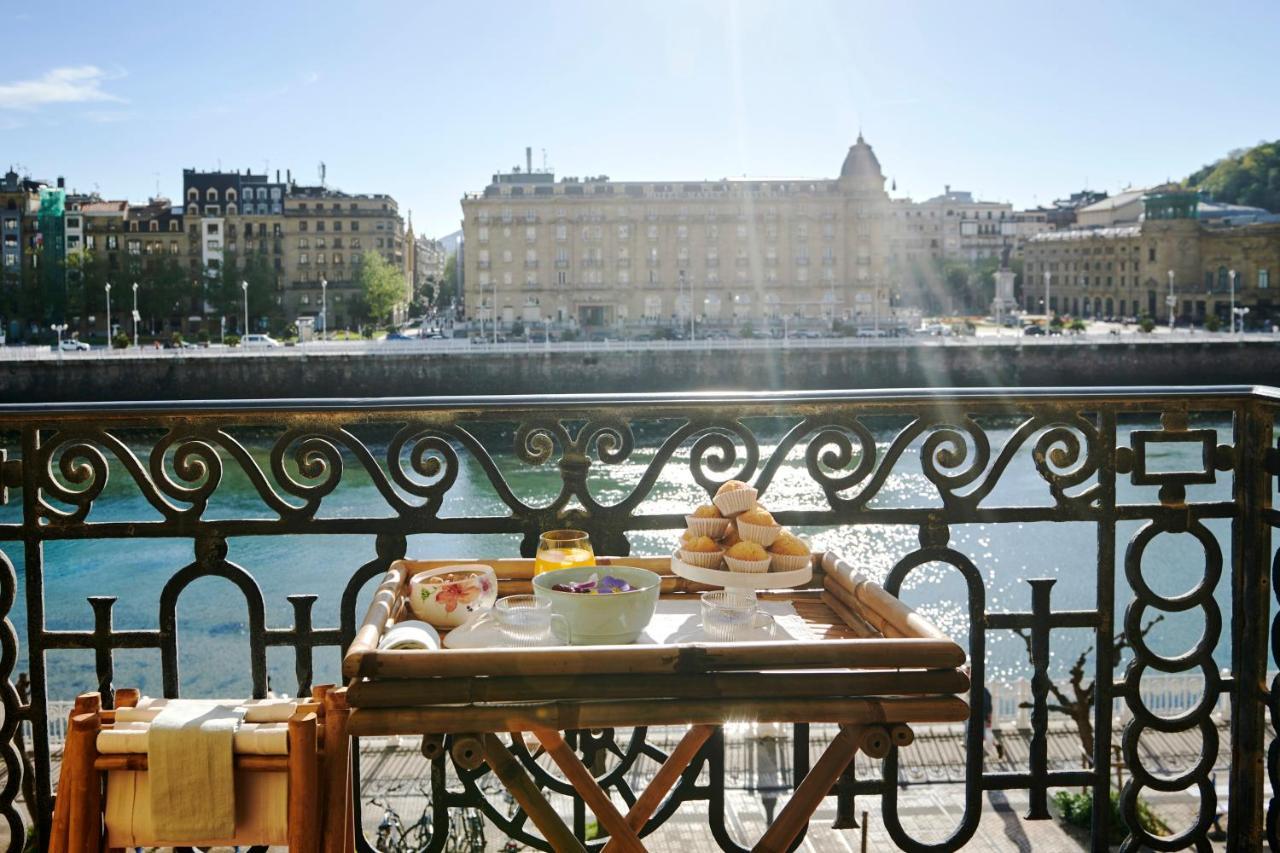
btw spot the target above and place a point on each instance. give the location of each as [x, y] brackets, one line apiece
[249, 739]
[190, 770]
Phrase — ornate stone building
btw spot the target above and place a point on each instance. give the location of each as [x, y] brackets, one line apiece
[1124, 270]
[594, 252]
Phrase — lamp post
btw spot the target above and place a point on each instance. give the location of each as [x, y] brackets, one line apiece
[244, 285]
[1047, 278]
[135, 314]
[107, 287]
[324, 307]
[1171, 301]
[1232, 273]
[59, 328]
[495, 312]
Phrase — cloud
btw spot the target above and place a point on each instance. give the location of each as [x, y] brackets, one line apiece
[108, 116]
[67, 85]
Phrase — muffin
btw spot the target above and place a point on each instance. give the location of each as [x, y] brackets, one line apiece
[747, 557]
[702, 551]
[788, 553]
[735, 496]
[757, 525]
[707, 521]
[730, 537]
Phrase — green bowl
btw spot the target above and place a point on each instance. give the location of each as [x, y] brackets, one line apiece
[613, 618]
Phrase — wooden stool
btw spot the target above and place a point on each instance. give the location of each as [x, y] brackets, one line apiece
[316, 772]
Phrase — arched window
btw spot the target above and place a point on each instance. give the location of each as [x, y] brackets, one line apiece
[193, 210]
[231, 209]
[1223, 284]
[193, 195]
[1111, 308]
[211, 194]
[231, 194]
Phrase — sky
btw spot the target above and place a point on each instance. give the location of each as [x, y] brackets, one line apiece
[1015, 101]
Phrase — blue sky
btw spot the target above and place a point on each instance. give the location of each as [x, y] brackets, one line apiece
[1017, 101]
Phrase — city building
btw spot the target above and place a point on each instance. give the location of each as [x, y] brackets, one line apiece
[1132, 269]
[19, 224]
[429, 259]
[957, 226]
[326, 234]
[594, 252]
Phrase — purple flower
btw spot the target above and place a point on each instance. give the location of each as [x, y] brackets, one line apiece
[595, 585]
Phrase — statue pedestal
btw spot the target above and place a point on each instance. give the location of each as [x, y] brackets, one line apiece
[1004, 304]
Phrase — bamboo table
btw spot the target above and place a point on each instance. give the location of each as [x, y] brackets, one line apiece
[873, 667]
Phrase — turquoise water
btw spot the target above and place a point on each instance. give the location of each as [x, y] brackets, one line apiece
[213, 632]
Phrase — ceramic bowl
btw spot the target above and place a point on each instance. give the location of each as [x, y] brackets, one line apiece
[612, 618]
[450, 595]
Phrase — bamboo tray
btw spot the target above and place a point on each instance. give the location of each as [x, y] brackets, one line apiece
[872, 658]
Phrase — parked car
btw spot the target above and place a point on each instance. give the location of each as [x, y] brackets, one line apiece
[398, 336]
[1033, 329]
[73, 345]
[258, 341]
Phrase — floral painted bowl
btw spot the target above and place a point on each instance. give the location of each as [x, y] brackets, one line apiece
[450, 595]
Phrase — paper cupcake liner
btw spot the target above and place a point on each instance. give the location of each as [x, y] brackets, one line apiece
[754, 567]
[764, 534]
[702, 559]
[789, 562]
[735, 502]
[713, 527]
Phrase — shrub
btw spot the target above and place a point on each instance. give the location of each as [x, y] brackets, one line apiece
[1146, 324]
[1077, 810]
[232, 340]
[176, 339]
[1212, 323]
[120, 341]
[517, 329]
[367, 333]
[1077, 325]
[569, 335]
[202, 336]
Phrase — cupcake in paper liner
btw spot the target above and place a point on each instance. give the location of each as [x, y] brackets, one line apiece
[734, 497]
[703, 552]
[789, 553]
[748, 557]
[707, 521]
[757, 525]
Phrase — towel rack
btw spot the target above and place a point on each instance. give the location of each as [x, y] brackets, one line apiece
[317, 770]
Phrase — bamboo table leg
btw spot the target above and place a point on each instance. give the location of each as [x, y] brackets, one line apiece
[664, 779]
[809, 793]
[621, 833]
[513, 777]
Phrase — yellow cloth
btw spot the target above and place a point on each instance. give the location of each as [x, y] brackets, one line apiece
[261, 812]
[190, 765]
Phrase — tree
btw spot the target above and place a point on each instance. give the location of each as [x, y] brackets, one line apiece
[1250, 177]
[382, 286]
[447, 289]
[1079, 704]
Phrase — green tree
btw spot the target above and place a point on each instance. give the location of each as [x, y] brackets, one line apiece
[382, 286]
[1250, 176]
[447, 290]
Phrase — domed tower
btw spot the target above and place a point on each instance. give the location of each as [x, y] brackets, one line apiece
[861, 169]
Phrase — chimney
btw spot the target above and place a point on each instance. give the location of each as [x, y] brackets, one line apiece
[528, 160]
[277, 176]
[946, 189]
[288, 176]
[62, 183]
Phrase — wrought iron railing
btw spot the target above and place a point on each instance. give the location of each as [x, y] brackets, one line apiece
[1094, 456]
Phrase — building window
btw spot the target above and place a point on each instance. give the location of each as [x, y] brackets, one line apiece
[302, 243]
[211, 195]
[624, 231]
[337, 257]
[302, 227]
[1264, 279]
[337, 226]
[653, 232]
[355, 226]
[302, 258]
[319, 227]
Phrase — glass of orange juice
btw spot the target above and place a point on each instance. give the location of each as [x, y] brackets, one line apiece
[563, 549]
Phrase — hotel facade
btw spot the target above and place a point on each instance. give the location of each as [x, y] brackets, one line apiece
[598, 253]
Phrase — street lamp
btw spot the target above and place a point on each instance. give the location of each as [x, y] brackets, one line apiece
[244, 285]
[1232, 273]
[108, 289]
[1047, 276]
[135, 315]
[1171, 300]
[324, 307]
[59, 328]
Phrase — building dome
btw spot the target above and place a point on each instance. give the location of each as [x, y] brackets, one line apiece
[861, 163]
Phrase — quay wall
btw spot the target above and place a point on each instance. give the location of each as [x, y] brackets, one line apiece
[173, 376]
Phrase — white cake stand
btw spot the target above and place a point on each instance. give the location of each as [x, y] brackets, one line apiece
[740, 580]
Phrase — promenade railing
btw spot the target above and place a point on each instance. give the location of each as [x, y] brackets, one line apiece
[1097, 459]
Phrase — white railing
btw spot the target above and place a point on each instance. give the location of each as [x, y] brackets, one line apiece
[484, 346]
[1163, 695]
